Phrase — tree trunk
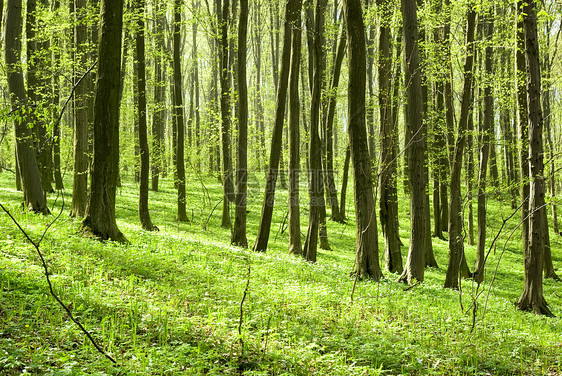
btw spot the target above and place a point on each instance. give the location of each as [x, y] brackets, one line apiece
[158, 115]
[34, 197]
[59, 185]
[295, 244]
[523, 129]
[100, 211]
[331, 190]
[456, 241]
[144, 214]
[80, 141]
[227, 179]
[416, 152]
[388, 202]
[367, 253]
[315, 178]
[487, 129]
[532, 298]
[277, 136]
[345, 177]
[178, 115]
[239, 232]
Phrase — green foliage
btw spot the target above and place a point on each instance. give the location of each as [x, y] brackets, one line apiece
[169, 302]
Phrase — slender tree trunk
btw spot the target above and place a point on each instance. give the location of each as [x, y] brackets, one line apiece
[178, 115]
[239, 232]
[532, 298]
[195, 62]
[277, 136]
[487, 129]
[523, 129]
[144, 214]
[388, 156]
[59, 185]
[456, 241]
[315, 150]
[34, 197]
[417, 149]
[100, 211]
[345, 177]
[367, 253]
[158, 115]
[295, 244]
[331, 190]
[227, 179]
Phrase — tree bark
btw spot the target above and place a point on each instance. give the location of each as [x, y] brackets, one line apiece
[100, 211]
[178, 115]
[34, 197]
[295, 244]
[455, 268]
[144, 213]
[367, 253]
[417, 149]
[277, 136]
[227, 179]
[239, 231]
[158, 115]
[345, 178]
[487, 129]
[388, 202]
[532, 298]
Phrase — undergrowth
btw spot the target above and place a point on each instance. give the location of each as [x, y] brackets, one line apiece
[168, 303]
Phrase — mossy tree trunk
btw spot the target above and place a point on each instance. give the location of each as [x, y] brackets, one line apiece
[100, 212]
[367, 253]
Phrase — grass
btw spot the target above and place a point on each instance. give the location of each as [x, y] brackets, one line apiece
[169, 302]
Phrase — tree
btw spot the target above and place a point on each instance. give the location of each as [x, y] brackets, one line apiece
[388, 202]
[532, 298]
[367, 253]
[277, 136]
[457, 260]
[80, 140]
[100, 211]
[316, 186]
[158, 143]
[178, 115]
[295, 244]
[228, 185]
[144, 213]
[416, 153]
[34, 197]
[487, 129]
[239, 231]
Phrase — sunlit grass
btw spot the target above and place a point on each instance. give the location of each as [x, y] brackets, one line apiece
[168, 303]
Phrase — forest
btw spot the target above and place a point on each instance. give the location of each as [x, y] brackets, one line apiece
[280, 187]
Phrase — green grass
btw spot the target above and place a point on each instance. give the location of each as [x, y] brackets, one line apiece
[168, 303]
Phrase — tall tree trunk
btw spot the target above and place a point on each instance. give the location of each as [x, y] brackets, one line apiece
[532, 298]
[523, 128]
[331, 190]
[388, 156]
[316, 185]
[367, 253]
[100, 211]
[456, 241]
[59, 185]
[277, 136]
[487, 129]
[239, 231]
[80, 141]
[195, 63]
[178, 114]
[295, 244]
[227, 179]
[34, 197]
[158, 115]
[144, 214]
[260, 124]
[345, 177]
[417, 149]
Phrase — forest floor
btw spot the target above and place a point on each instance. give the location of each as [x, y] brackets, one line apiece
[169, 302]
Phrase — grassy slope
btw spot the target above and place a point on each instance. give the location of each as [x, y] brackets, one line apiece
[169, 303]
